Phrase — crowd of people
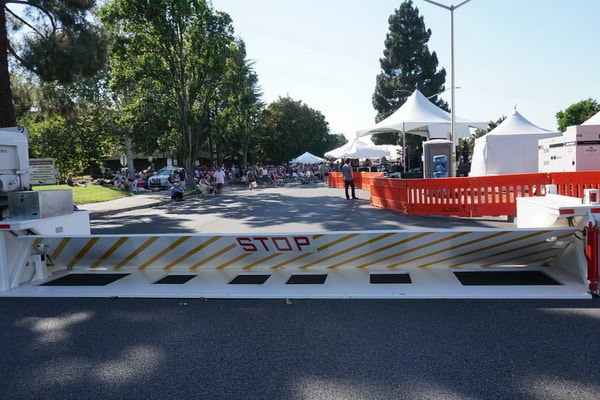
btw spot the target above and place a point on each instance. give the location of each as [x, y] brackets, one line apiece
[212, 180]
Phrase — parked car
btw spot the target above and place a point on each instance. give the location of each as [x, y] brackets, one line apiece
[165, 177]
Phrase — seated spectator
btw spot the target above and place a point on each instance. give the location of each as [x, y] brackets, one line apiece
[176, 192]
[73, 182]
[205, 185]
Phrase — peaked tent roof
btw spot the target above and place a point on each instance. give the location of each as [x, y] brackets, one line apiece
[307, 158]
[417, 115]
[516, 124]
[594, 120]
[510, 148]
[358, 149]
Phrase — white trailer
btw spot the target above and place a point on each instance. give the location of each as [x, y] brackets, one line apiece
[578, 149]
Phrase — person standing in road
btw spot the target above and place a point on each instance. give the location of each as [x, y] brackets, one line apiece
[348, 179]
[220, 180]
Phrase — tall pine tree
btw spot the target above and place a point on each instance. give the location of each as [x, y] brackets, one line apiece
[407, 63]
[58, 43]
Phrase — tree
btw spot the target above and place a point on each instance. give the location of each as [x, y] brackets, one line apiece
[57, 43]
[293, 128]
[238, 118]
[407, 64]
[577, 113]
[177, 47]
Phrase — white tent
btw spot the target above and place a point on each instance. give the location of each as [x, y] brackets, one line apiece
[594, 120]
[419, 116]
[307, 158]
[358, 149]
[510, 148]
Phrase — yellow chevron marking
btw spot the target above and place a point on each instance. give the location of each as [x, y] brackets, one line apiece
[250, 266]
[379, 250]
[192, 252]
[356, 246]
[478, 240]
[136, 251]
[108, 252]
[318, 236]
[232, 261]
[164, 251]
[512, 250]
[213, 256]
[338, 241]
[61, 246]
[286, 262]
[82, 252]
[36, 243]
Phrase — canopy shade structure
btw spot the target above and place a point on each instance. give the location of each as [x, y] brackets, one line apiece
[358, 149]
[419, 116]
[307, 158]
[594, 120]
[510, 148]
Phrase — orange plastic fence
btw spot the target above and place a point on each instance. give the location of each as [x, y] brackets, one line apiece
[467, 197]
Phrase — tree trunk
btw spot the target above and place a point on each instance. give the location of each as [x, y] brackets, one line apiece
[7, 109]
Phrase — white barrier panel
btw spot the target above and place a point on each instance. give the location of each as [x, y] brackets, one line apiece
[483, 263]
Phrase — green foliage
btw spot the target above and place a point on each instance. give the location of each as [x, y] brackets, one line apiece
[406, 64]
[61, 44]
[174, 51]
[577, 113]
[293, 128]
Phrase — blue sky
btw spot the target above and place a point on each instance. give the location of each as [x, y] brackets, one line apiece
[539, 56]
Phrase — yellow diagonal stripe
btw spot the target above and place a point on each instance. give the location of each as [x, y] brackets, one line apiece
[351, 248]
[164, 251]
[61, 246]
[444, 239]
[287, 262]
[136, 252]
[233, 261]
[110, 251]
[467, 243]
[192, 252]
[488, 256]
[481, 249]
[262, 261]
[338, 241]
[213, 256]
[381, 249]
[82, 252]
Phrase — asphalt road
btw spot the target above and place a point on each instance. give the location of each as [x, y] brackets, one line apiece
[309, 349]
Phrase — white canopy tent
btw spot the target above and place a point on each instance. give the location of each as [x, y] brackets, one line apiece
[307, 158]
[510, 148]
[358, 149]
[419, 116]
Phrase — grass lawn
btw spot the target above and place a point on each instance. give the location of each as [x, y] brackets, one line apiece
[89, 193]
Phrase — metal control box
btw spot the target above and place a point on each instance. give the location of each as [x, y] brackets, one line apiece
[39, 204]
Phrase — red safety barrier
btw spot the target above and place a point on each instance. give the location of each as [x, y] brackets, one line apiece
[466, 197]
[573, 183]
[362, 180]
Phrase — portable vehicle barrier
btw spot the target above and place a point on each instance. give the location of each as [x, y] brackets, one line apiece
[475, 263]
